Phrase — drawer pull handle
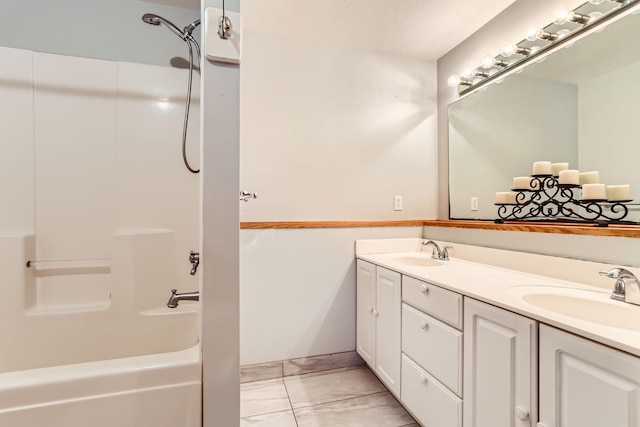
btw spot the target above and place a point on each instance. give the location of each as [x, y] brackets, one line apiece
[424, 325]
[423, 379]
[424, 289]
[522, 413]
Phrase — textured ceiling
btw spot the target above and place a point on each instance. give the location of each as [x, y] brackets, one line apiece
[420, 28]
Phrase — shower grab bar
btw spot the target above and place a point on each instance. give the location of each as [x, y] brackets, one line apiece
[80, 264]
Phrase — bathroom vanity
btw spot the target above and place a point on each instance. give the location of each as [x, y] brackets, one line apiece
[463, 342]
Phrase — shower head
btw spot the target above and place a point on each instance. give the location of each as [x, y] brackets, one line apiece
[152, 19]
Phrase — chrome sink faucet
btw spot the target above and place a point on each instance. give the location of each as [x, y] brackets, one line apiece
[175, 297]
[627, 287]
[437, 253]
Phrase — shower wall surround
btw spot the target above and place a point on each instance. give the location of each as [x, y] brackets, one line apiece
[90, 158]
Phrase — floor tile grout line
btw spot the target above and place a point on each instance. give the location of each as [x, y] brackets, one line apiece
[267, 413]
[340, 400]
[295, 419]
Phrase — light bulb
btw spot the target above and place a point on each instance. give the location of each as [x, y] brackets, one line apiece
[453, 80]
[532, 34]
[487, 61]
[512, 49]
[562, 17]
[469, 73]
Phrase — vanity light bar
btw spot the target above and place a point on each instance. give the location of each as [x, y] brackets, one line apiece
[572, 22]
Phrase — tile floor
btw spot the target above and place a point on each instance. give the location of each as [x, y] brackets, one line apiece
[347, 397]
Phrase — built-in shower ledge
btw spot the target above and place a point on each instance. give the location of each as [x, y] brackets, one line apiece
[67, 309]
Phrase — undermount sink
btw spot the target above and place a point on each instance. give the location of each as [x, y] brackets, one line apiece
[418, 259]
[589, 306]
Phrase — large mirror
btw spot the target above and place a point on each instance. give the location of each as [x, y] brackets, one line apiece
[579, 105]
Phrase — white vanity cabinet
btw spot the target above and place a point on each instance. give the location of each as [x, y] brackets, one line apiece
[378, 321]
[585, 384]
[500, 367]
[431, 353]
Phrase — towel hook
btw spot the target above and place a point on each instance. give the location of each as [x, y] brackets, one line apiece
[224, 24]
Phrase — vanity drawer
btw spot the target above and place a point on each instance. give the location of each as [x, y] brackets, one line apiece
[435, 346]
[428, 400]
[439, 302]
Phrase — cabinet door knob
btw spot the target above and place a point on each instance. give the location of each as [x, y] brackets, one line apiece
[522, 414]
[424, 325]
[375, 312]
[370, 309]
[424, 289]
[423, 379]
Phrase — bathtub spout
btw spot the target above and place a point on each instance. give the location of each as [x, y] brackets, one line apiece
[175, 297]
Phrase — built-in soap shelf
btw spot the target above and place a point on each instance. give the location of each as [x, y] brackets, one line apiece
[77, 266]
[68, 286]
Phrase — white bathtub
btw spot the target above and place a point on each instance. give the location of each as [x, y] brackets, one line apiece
[95, 345]
[158, 390]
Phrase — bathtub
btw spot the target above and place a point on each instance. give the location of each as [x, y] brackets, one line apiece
[158, 390]
[95, 345]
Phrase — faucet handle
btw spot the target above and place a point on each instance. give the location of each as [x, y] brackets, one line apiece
[617, 272]
[445, 253]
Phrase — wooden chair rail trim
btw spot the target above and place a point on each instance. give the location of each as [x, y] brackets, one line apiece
[632, 231]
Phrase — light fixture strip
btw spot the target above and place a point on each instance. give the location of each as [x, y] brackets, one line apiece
[481, 75]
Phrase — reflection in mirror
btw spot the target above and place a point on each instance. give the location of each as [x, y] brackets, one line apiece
[579, 105]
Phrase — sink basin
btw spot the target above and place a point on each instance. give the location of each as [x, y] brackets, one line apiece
[589, 306]
[419, 259]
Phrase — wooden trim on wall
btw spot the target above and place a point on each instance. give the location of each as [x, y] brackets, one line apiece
[579, 229]
[632, 231]
[329, 224]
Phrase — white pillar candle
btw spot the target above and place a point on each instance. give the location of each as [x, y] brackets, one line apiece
[542, 168]
[522, 183]
[557, 167]
[618, 192]
[569, 177]
[589, 177]
[594, 192]
[506, 197]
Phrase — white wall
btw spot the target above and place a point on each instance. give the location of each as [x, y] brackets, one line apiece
[506, 28]
[297, 295]
[98, 29]
[327, 133]
[220, 239]
[92, 151]
[492, 140]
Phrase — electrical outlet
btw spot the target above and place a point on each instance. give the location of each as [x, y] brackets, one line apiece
[397, 203]
[474, 204]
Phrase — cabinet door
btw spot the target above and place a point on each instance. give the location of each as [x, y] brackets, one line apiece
[584, 384]
[365, 310]
[500, 367]
[388, 306]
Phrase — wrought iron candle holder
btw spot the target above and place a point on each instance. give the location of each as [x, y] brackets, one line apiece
[548, 200]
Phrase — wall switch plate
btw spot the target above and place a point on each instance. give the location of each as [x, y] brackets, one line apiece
[397, 203]
[474, 204]
[218, 49]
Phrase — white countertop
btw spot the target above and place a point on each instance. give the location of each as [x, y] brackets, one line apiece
[505, 288]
